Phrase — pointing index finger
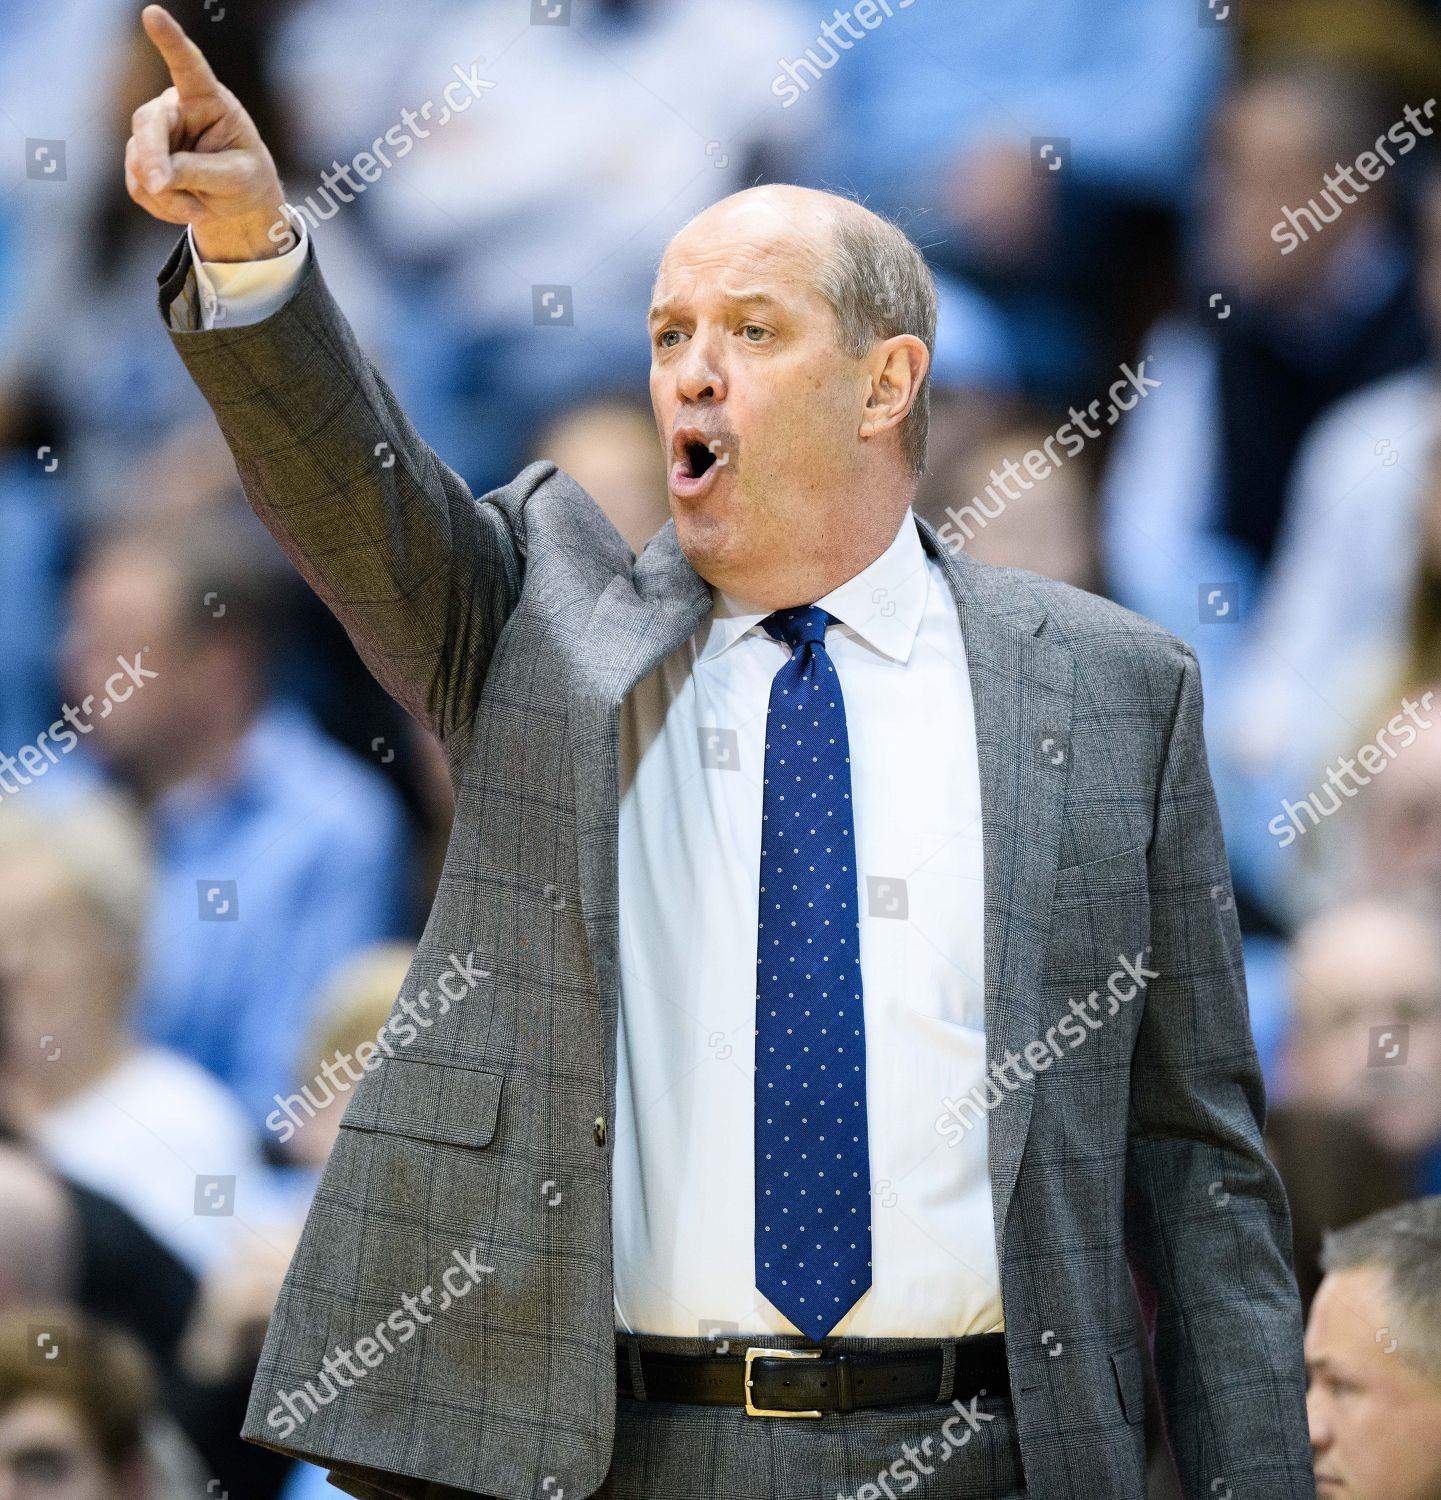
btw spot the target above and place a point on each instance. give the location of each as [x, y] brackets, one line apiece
[189, 71]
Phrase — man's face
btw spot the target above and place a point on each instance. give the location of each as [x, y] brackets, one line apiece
[745, 362]
[122, 603]
[1375, 1418]
[1269, 153]
[1367, 1030]
[46, 1454]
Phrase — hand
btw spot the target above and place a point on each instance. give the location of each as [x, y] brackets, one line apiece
[195, 157]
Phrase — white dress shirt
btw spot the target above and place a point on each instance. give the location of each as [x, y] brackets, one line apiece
[692, 742]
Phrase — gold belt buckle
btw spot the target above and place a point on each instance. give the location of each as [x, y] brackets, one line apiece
[761, 1411]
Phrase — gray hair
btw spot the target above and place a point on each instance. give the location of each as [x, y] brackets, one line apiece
[1405, 1242]
[879, 285]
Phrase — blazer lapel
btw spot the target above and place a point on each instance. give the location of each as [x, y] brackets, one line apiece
[1022, 683]
[637, 622]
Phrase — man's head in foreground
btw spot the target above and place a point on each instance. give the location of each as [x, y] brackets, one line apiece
[1373, 1358]
[791, 335]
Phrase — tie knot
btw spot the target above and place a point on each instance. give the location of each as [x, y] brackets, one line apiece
[799, 624]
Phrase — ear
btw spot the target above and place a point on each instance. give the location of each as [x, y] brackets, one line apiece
[896, 367]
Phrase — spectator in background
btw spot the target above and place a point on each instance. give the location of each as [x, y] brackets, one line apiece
[1396, 39]
[1195, 491]
[1199, 477]
[1377, 837]
[1322, 305]
[188, 483]
[74, 1427]
[1349, 617]
[607, 444]
[600, 130]
[139, 1123]
[1373, 1355]
[1046, 529]
[1120, 92]
[277, 852]
[62, 1244]
[1366, 1027]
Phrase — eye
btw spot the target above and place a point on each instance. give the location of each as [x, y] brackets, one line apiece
[746, 328]
[664, 334]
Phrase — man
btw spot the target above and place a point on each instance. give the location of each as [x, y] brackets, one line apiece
[261, 823]
[648, 1030]
[125, 1117]
[1366, 1029]
[1373, 1355]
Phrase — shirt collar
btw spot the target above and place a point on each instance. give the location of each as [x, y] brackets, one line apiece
[882, 604]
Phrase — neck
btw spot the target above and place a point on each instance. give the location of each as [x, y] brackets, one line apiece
[823, 564]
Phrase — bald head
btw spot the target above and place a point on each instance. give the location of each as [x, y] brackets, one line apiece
[804, 213]
[1366, 946]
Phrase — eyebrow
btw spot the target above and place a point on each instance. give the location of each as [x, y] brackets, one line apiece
[752, 298]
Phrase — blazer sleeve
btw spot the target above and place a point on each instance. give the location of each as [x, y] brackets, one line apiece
[421, 574]
[1208, 1226]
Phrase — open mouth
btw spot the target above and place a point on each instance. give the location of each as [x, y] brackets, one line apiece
[696, 458]
[695, 462]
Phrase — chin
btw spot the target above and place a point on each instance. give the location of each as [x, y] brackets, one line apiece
[709, 542]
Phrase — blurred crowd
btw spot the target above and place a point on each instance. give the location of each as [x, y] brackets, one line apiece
[219, 839]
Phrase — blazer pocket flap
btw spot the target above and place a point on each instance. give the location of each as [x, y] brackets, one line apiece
[1101, 880]
[428, 1101]
[1130, 1382]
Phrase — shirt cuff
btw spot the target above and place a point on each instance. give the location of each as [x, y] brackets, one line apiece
[231, 294]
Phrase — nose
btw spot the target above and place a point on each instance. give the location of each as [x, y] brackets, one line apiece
[1316, 1422]
[699, 377]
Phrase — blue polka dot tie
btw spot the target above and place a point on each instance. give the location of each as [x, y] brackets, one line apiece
[812, 1155]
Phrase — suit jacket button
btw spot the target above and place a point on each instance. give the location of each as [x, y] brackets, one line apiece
[599, 1131]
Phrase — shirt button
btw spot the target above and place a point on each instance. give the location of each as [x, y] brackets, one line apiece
[599, 1130]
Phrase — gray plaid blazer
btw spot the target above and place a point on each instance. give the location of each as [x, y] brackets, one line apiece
[512, 626]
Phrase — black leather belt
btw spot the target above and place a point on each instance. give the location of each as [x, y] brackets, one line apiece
[809, 1383]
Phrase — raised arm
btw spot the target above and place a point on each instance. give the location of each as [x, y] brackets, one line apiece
[421, 574]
